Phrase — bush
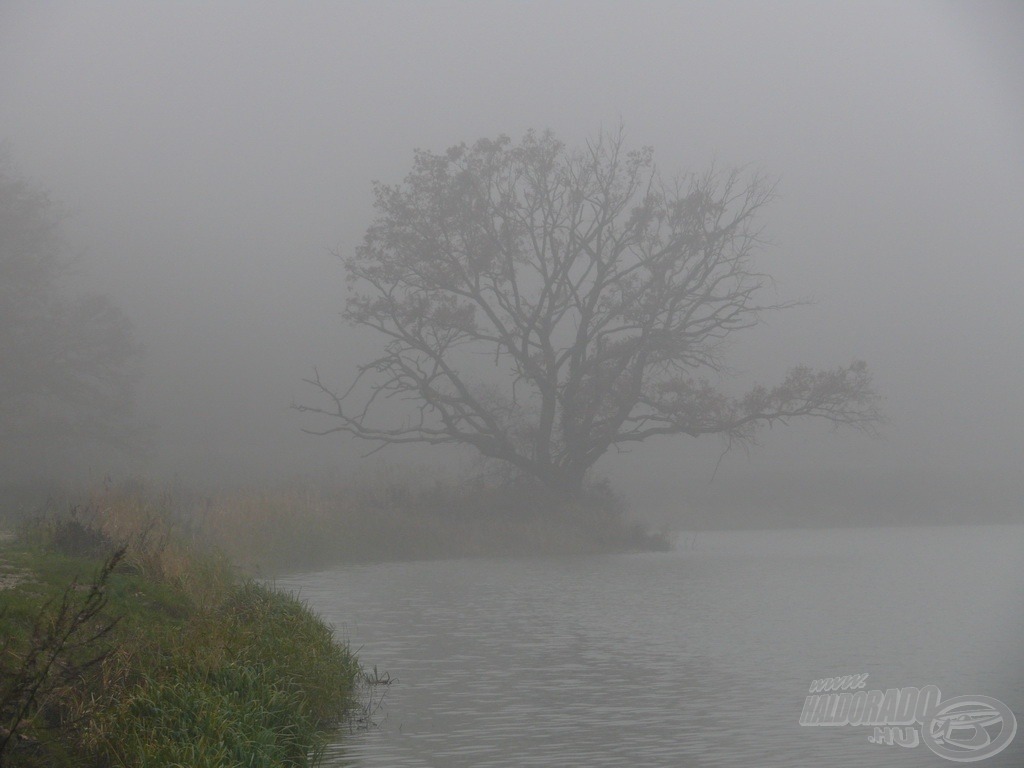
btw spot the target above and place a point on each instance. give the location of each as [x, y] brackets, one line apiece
[68, 637]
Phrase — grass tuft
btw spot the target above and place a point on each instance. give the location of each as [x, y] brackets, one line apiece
[193, 667]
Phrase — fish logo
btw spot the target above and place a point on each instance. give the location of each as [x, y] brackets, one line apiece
[969, 728]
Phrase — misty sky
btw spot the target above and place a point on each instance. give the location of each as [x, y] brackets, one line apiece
[215, 154]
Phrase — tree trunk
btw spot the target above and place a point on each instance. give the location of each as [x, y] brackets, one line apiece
[566, 483]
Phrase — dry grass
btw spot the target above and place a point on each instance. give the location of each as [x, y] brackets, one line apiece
[395, 515]
[202, 669]
[302, 524]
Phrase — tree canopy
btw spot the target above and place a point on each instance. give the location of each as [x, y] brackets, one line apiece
[69, 362]
[604, 290]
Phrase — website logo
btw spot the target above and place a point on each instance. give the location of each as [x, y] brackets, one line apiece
[963, 729]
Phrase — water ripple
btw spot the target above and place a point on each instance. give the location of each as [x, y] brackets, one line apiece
[695, 658]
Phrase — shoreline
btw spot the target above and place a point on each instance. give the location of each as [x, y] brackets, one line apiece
[159, 656]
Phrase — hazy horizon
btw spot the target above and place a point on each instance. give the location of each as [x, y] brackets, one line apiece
[215, 156]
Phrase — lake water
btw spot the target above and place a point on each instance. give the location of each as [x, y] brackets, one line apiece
[698, 657]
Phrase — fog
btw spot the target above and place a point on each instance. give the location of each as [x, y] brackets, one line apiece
[217, 156]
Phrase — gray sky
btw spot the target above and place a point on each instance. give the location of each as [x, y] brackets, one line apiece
[214, 155]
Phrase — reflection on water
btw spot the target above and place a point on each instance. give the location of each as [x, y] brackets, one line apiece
[699, 657]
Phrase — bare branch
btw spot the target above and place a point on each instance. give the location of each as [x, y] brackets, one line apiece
[603, 291]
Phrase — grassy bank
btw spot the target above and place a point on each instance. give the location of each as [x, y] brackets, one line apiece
[128, 637]
[399, 516]
[123, 643]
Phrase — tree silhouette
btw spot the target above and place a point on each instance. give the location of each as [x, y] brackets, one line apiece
[604, 290]
[68, 362]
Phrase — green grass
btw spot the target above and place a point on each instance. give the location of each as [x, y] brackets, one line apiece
[201, 668]
[253, 683]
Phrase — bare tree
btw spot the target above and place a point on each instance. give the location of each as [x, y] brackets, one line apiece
[603, 289]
